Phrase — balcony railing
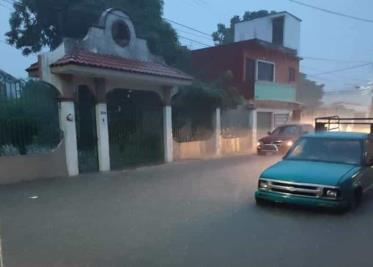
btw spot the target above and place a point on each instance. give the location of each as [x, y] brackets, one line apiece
[274, 91]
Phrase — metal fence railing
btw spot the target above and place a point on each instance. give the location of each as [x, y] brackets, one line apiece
[192, 124]
[235, 123]
[29, 121]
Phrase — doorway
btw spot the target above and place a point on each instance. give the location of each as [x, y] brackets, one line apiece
[86, 130]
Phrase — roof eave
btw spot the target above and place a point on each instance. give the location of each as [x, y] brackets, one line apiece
[75, 69]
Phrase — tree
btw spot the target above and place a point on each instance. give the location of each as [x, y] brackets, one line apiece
[309, 92]
[35, 24]
[225, 35]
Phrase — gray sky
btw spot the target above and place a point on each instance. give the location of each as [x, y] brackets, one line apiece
[346, 41]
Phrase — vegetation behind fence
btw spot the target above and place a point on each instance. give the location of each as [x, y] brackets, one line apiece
[235, 122]
[29, 121]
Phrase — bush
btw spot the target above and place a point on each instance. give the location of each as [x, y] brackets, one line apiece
[8, 150]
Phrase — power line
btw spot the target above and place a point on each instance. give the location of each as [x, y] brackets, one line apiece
[195, 34]
[187, 27]
[195, 41]
[5, 7]
[340, 70]
[11, 2]
[332, 12]
[335, 60]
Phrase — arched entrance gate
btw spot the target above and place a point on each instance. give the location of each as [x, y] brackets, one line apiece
[118, 127]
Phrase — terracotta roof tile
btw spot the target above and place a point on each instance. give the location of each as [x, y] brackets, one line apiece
[33, 67]
[89, 59]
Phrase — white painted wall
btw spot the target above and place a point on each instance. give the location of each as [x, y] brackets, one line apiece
[254, 127]
[67, 124]
[254, 29]
[217, 133]
[261, 29]
[102, 137]
[292, 33]
[167, 134]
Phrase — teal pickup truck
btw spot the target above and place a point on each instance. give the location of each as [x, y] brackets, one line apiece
[325, 168]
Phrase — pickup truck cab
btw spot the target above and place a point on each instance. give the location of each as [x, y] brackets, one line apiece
[328, 169]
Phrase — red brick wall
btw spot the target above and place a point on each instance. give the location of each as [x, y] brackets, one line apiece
[282, 61]
[211, 63]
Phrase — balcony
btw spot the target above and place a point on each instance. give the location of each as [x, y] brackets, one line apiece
[274, 91]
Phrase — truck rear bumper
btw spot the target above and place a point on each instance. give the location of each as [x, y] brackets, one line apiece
[299, 200]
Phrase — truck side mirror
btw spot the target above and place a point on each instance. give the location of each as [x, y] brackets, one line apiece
[269, 133]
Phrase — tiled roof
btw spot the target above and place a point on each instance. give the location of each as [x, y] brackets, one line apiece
[89, 59]
[33, 67]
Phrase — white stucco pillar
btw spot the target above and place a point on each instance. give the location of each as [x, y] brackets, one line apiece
[102, 137]
[254, 127]
[167, 134]
[67, 124]
[217, 131]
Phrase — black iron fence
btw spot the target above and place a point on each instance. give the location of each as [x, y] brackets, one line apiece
[135, 128]
[235, 122]
[29, 121]
[192, 123]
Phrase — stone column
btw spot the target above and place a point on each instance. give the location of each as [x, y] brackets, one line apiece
[217, 131]
[68, 126]
[253, 127]
[167, 134]
[103, 146]
[102, 137]
[168, 140]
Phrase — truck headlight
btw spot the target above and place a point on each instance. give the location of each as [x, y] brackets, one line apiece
[264, 185]
[331, 193]
[289, 143]
[259, 144]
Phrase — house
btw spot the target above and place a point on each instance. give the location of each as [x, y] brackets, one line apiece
[9, 85]
[264, 63]
[281, 28]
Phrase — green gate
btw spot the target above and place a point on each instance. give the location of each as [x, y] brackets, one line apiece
[135, 128]
[86, 130]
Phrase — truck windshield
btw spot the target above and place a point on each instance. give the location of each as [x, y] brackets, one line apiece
[327, 150]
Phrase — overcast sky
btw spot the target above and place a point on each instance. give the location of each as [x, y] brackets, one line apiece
[346, 42]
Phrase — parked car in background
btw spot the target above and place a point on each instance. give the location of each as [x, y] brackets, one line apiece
[281, 139]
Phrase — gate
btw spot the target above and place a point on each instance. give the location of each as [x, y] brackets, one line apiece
[135, 128]
[29, 120]
[86, 130]
[235, 123]
[264, 121]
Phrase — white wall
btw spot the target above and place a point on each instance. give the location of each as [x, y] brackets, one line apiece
[292, 33]
[261, 29]
[254, 29]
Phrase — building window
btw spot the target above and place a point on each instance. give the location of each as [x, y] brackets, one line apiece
[265, 71]
[291, 75]
[278, 30]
